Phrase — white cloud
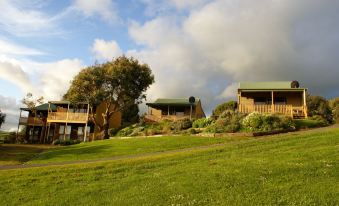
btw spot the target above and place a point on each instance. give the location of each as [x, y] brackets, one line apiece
[223, 42]
[8, 48]
[15, 74]
[10, 107]
[104, 8]
[105, 50]
[25, 19]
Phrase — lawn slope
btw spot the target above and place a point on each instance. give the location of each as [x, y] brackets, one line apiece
[289, 169]
[120, 147]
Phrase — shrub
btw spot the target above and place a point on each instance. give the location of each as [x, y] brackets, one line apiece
[181, 124]
[334, 104]
[257, 122]
[192, 131]
[317, 105]
[228, 121]
[308, 123]
[321, 121]
[65, 142]
[202, 123]
[231, 105]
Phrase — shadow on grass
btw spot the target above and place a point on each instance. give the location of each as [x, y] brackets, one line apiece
[69, 153]
[17, 154]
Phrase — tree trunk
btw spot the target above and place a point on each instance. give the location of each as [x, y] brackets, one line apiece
[106, 127]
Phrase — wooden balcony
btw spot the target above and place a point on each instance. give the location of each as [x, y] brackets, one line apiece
[67, 117]
[36, 121]
[288, 110]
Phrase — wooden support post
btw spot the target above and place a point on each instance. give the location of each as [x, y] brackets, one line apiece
[17, 131]
[272, 102]
[85, 131]
[191, 113]
[167, 110]
[65, 129]
[305, 105]
[49, 127]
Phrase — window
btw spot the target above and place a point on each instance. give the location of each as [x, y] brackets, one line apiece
[262, 100]
[280, 100]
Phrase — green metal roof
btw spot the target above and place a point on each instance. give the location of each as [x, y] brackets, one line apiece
[175, 101]
[42, 107]
[286, 85]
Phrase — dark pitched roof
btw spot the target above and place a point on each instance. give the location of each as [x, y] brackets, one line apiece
[42, 107]
[173, 102]
[273, 85]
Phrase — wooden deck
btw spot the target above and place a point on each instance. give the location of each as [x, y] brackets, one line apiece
[67, 117]
[36, 121]
[288, 110]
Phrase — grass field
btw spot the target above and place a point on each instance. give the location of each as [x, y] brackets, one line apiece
[119, 147]
[290, 169]
[12, 154]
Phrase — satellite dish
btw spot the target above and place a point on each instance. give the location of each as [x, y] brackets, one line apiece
[295, 84]
[191, 100]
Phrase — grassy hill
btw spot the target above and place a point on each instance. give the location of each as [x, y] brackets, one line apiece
[290, 169]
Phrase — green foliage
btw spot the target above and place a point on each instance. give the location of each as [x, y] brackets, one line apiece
[181, 124]
[258, 122]
[122, 83]
[66, 142]
[317, 105]
[2, 118]
[130, 115]
[309, 123]
[231, 105]
[228, 121]
[202, 123]
[334, 104]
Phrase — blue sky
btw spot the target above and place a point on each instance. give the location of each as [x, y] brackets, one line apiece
[194, 47]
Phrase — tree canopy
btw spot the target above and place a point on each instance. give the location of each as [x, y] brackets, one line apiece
[317, 105]
[2, 118]
[231, 105]
[121, 82]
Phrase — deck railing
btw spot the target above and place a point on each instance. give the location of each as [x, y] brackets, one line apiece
[266, 108]
[66, 117]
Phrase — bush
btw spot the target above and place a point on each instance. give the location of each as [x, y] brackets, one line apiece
[334, 104]
[228, 121]
[202, 123]
[181, 124]
[231, 105]
[308, 123]
[65, 142]
[257, 122]
[317, 105]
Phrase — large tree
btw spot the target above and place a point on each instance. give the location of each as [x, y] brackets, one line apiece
[2, 118]
[121, 82]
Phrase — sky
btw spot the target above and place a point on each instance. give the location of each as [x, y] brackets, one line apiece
[200, 48]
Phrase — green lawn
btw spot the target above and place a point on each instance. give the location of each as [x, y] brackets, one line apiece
[119, 147]
[289, 169]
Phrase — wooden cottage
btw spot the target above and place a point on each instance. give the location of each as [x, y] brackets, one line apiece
[63, 120]
[282, 97]
[174, 109]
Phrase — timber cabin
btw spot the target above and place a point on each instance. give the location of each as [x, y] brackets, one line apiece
[281, 97]
[174, 109]
[62, 120]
